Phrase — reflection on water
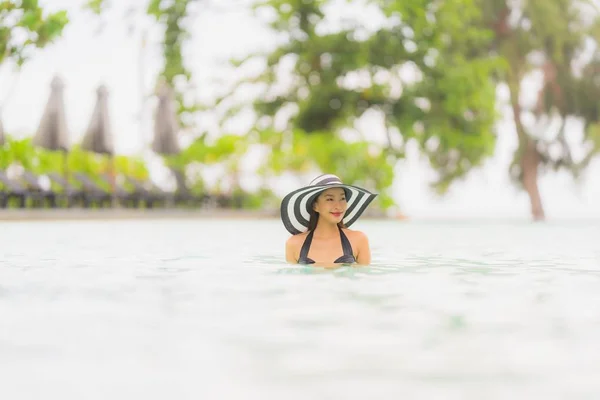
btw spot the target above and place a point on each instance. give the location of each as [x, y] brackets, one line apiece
[181, 309]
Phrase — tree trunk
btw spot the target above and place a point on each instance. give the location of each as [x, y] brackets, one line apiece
[529, 163]
[530, 158]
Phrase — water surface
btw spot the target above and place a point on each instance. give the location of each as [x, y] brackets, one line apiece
[207, 309]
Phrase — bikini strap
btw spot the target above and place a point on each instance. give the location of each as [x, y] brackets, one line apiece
[306, 246]
[346, 246]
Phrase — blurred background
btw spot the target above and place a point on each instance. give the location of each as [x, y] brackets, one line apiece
[484, 112]
[453, 109]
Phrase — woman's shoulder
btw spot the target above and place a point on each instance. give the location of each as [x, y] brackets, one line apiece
[297, 238]
[354, 235]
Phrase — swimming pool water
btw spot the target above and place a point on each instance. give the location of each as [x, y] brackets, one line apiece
[207, 309]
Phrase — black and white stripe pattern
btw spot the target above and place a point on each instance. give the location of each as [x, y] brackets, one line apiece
[295, 207]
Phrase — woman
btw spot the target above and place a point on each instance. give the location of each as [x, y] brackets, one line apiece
[318, 217]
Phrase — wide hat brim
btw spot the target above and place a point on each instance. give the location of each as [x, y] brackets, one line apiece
[295, 206]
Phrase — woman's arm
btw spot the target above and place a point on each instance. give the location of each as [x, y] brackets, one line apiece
[290, 251]
[363, 253]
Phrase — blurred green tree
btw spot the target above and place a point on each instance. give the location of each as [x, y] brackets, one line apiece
[173, 16]
[557, 42]
[25, 26]
[424, 72]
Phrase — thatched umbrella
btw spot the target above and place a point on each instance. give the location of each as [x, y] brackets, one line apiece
[98, 137]
[166, 126]
[166, 129]
[52, 133]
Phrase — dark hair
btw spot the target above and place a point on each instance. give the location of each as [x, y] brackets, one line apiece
[314, 218]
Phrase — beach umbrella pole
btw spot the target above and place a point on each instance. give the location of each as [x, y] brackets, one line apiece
[113, 181]
[66, 166]
[66, 173]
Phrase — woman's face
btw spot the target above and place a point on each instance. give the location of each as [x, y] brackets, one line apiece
[331, 205]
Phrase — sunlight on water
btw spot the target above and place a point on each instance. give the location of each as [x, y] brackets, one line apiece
[209, 309]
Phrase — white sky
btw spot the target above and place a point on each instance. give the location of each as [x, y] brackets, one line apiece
[86, 57]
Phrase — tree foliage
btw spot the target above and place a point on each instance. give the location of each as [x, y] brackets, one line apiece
[173, 17]
[558, 41]
[24, 26]
[424, 72]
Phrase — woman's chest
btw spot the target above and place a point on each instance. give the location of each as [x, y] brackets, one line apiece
[325, 250]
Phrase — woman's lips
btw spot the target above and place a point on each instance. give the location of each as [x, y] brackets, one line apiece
[336, 214]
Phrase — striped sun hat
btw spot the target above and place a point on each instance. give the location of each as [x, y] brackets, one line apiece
[296, 206]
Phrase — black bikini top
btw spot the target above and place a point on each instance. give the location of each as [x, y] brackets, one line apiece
[347, 258]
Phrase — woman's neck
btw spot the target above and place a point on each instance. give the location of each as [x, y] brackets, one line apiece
[326, 230]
